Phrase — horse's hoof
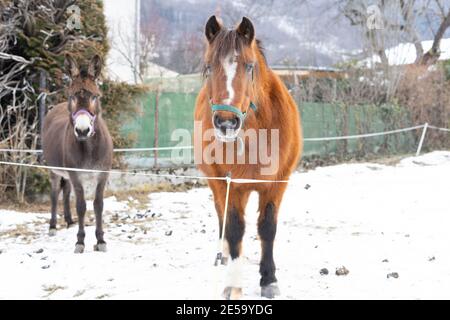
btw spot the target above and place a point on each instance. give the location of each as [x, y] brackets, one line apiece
[79, 248]
[232, 293]
[270, 291]
[224, 261]
[100, 247]
[52, 232]
[70, 224]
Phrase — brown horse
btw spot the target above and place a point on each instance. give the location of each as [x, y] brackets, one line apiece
[75, 136]
[241, 94]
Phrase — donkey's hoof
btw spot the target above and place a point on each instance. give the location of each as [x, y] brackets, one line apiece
[100, 247]
[232, 293]
[52, 232]
[270, 291]
[79, 248]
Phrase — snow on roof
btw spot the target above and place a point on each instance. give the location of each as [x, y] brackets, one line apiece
[155, 70]
[405, 53]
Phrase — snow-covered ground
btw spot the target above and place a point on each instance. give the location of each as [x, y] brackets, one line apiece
[372, 219]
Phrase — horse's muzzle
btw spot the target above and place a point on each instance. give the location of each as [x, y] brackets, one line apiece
[226, 129]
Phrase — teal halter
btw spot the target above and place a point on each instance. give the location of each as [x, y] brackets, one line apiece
[236, 111]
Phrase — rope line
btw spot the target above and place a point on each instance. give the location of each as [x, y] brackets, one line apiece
[365, 135]
[155, 175]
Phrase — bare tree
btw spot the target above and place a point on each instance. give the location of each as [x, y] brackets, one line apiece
[400, 23]
[433, 54]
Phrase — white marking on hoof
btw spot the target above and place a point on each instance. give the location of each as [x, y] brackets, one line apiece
[234, 273]
[52, 232]
[224, 261]
[100, 247]
[270, 291]
[232, 293]
[79, 248]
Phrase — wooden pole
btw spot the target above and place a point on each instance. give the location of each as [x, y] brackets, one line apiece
[156, 132]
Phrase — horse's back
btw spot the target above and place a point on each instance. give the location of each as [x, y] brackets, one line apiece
[54, 131]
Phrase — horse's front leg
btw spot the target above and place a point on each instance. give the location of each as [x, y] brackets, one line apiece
[269, 203]
[234, 232]
[81, 211]
[98, 208]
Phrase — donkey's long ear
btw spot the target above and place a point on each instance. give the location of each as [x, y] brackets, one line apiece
[95, 67]
[71, 66]
[246, 30]
[212, 28]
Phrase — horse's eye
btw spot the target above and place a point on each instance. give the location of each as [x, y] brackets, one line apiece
[249, 67]
[207, 70]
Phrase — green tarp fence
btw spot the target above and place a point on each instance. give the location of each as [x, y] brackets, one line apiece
[175, 111]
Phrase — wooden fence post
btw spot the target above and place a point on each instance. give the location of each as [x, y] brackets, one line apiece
[156, 132]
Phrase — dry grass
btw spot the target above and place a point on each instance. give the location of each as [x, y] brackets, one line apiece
[139, 193]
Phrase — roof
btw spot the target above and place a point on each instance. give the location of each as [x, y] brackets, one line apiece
[405, 53]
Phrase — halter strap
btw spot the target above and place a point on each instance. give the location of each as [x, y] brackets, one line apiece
[84, 111]
[233, 109]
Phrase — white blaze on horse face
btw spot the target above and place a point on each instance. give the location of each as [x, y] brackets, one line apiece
[229, 66]
[83, 122]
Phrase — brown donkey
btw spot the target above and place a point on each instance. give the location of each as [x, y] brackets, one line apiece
[241, 94]
[75, 136]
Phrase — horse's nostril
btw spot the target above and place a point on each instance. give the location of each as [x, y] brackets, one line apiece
[227, 124]
[217, 121]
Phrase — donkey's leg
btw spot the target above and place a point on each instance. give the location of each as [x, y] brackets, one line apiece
[98, 208]
[81, 211]
[55, 182]
[66, 199]
[269, 202]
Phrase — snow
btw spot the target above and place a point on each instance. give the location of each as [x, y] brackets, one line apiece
[373, 219]
[405, 53]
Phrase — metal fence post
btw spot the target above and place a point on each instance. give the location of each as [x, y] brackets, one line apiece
[424, 131]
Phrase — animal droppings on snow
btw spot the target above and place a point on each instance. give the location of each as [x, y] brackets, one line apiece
[323, 271]
[342, 271]
[393, 275]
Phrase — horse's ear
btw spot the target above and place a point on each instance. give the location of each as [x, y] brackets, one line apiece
[71, 66]
[246, 30]
[95, 66]
[212, 28]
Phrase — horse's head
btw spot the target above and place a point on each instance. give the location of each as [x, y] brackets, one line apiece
[84, 96]
[230, 61]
